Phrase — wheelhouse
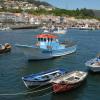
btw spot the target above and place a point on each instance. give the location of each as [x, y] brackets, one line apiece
[46, 38]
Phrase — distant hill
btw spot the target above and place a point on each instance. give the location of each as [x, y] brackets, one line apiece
[36, 2]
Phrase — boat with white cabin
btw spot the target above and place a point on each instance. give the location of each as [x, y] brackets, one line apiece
[55, 29]
[86, 27]
[94, 64]
[59, 30]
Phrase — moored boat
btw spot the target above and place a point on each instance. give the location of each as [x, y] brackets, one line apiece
[47, 46]
[55, 30]
[68, 81]
[59, 30]
[42, 78]
[86, 27]
[5, 48]
[5, 28]
[94, 64]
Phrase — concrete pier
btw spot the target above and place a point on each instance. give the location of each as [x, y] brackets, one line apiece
[24, 26]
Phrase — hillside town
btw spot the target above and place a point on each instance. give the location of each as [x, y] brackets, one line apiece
[24, 18]
[14, 4]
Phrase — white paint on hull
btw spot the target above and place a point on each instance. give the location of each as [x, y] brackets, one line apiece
[30, 83]
[95, 69]
[38, 53]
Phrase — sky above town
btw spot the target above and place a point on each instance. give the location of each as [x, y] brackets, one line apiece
[73, 4]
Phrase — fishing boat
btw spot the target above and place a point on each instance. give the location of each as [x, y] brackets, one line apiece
[68, 81]
[5, 48]
[47, 46]
[55, 30]
[42, 78]
[59, 30]
[86, 27]
[5, 28]
[94, 64]
[45, 29]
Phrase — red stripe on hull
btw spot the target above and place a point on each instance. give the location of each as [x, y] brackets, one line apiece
[57, 88]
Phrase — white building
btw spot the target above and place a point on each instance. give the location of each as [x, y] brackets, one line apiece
[31, 20]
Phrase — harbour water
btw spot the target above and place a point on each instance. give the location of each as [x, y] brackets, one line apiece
[14, 65]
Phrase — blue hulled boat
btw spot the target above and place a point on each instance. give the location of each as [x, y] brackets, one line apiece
[47, 46]
[43, 78]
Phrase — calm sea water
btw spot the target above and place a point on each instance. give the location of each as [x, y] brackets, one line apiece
[14, 65]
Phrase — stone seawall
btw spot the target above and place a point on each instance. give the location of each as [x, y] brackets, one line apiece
[24, 26]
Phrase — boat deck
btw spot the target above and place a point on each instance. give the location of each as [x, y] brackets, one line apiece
[97, 64]
[68, 43]
[44, 75]
[72, 77]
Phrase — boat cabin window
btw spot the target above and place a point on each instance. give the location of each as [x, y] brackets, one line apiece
[51, 39]
[45, 39]
[48, 39]
[39, 39]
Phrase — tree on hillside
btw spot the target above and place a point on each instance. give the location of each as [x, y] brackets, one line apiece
[87, 12]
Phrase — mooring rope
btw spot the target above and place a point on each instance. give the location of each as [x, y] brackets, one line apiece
[23, 93]
[43, 95]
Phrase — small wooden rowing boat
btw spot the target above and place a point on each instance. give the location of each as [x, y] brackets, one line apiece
[68, 81]
[42, 78]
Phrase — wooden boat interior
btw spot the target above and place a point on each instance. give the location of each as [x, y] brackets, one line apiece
[72, 77]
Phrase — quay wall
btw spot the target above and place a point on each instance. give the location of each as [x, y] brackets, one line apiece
[24, 26]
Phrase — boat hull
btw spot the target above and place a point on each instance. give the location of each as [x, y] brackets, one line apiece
[60, 32]
[30, 84]
[39, 53]
[68, 81]
[5, 51]
[58, 88]
[94, 69]
[43, 78]
[92, 66]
